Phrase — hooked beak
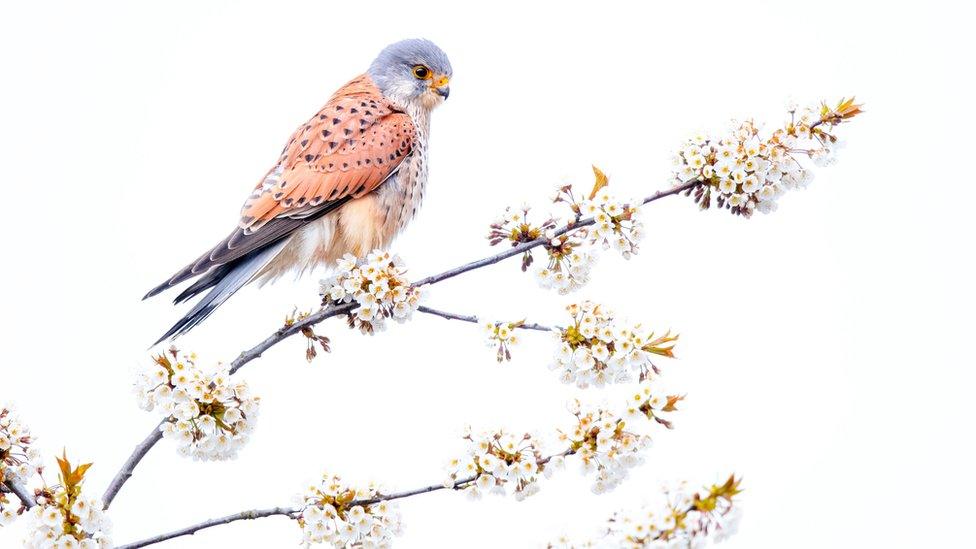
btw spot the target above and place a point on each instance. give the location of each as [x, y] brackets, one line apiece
[440, 86]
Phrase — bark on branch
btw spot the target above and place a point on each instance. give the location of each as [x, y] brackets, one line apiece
[22, 494]
[475, 320]
[190, 530]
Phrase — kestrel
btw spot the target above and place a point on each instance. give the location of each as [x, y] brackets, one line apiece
[347, 181]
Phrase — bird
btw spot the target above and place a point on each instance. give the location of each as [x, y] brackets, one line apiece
[347, 182]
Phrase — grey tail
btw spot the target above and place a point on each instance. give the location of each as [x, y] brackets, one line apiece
[225, 281]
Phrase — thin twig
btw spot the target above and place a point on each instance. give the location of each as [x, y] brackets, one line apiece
[125, 473]
[474, 320]
[292, 512]
[287, 511]
[127, 469]
[190, 530]
[22, 494]
[288, 331]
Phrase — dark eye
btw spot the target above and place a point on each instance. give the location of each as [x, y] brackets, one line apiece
[422, 72]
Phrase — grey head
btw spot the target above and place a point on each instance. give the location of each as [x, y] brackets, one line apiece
[413, 72]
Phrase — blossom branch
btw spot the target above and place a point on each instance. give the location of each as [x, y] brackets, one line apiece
[293, 512]
[210, 417]
[288, 331]
[290, 512]
[143, 448]
[526, 246]
[19, 463]
[688, 519]
[126, 472]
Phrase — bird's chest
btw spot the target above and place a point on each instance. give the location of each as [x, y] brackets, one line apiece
[401, 197]
[369, 222]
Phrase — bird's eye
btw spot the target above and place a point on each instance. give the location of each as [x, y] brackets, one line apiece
[422, 72]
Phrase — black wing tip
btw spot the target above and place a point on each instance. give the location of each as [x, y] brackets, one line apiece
[175, 331]
[186, 323]
[171, 333]
[158, 341]
[157, 290]
[175, 280]
[211, 279]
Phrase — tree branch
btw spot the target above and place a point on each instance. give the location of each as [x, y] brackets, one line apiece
[22, 494]
[474, 320]
[125, 473]
[288, 331]
[283, 333]
[292, 512]
[285, 511]
[526, 246]
[190, 530]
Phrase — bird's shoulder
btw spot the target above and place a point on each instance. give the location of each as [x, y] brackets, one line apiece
[345, 150]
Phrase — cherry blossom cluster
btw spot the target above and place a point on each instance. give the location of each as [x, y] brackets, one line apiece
[569, 261]
[646, 403]
[330, 514]
[516, 227]
[570, 251]
[499, 463]
[569, 264]
[687, 520]
[65, 518]
[19, 460]
[746, 171]
[615, 223]
[608, 445]
[502, 336]
[604, 448]
[211, 416]
[596, 349]
[378, 285]
[604, 444]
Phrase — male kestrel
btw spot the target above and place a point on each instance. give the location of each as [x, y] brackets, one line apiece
[348, 181]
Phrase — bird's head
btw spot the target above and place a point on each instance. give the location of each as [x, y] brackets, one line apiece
[413, 72]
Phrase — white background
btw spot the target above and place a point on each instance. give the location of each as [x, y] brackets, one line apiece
[822, 347]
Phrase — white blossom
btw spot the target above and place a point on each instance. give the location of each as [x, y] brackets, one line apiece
[569, 266]
[604, 449]
[19, 460]
[737, 169]
[48, 523]
[597, 349]
[329, 516]
[378, 285]
[498, 462]
[610, 224]
[616, 225]
[211, 416]
[685, 520]
[502, 336]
